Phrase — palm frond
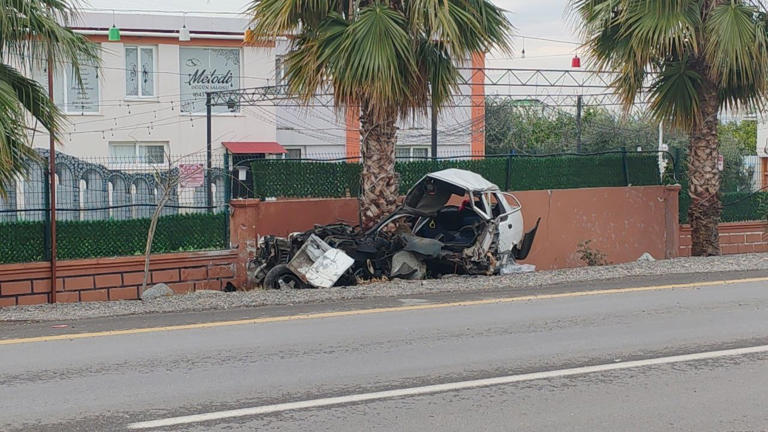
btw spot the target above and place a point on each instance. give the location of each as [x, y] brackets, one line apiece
[391, 56]
[275, 18]
[465, 26]
[32, 97]
[657, 27]
[439, 75]
[313, 53]
[675, 94]
[737, 50]
[683, 43]
[15, 153]
[33, 30]
[373, 57]
[495, 29]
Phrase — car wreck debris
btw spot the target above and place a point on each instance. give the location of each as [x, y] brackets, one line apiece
[451, 222]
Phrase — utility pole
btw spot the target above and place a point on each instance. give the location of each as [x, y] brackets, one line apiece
[208, 190]
[578, 123]
[52, 183]
[434, 130]
[662, 149]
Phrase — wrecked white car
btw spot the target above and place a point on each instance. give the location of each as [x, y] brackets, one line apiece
[451, 222]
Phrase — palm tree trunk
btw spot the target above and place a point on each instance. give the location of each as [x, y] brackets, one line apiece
[704, 177]
[378, 194]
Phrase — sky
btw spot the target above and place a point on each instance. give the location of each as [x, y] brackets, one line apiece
[533, 18]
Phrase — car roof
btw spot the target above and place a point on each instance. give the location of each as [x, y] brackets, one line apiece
[463, 179]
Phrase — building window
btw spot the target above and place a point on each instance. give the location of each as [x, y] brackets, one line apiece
[203, 70]
[292, 153]
[411, 153]
[71, 95]
[137, 153]
[140, 71]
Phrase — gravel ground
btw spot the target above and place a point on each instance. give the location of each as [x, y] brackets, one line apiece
[217, 300]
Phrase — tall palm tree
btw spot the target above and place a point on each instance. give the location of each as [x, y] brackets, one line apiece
[30, 31]
[696, 57]
[389, 59]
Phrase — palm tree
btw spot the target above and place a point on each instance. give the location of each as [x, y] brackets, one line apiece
[389, 59]
[695, 58]
[30, 31]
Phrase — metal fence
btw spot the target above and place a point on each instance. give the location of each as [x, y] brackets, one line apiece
[741, 196]
[340, 177]
[104, 206]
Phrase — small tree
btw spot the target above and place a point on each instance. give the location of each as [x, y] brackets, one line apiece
[167, 181]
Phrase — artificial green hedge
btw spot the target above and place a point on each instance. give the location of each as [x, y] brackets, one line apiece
[24, 241]
[300, 179]
[737, 206]
[305, 179]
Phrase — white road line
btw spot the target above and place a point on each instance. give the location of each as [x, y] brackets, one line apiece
[462, 385]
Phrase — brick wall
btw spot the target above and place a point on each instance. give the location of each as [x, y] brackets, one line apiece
[735, 238]
[114, 278]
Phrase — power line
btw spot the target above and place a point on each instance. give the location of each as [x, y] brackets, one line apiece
[547, 39]
[160, 11]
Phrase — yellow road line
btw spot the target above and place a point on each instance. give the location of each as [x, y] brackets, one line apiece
[214, 324]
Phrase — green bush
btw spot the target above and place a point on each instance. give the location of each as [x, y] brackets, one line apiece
[297, 179]
[109, 238]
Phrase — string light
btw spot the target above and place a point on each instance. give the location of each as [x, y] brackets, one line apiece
[184, 35]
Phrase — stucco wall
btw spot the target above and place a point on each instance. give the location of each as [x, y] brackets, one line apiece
[623, 223]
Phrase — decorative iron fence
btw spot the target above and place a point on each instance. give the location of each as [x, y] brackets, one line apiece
[104, 207]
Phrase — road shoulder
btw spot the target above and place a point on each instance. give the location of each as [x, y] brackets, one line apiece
[244, 315]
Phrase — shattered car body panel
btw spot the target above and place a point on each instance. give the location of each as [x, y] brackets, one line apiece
[482, 232]
[318, 264]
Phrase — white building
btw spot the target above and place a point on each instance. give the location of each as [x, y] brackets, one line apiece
[147, 97]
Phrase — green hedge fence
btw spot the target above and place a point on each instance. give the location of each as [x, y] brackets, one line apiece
[24, 241]
[304, 179]
[737, 206]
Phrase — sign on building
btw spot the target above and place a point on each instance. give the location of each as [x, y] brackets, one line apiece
[192, 175]
[206, 70]
[71, 94]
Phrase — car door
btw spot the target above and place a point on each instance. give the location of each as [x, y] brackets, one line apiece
[509, 220]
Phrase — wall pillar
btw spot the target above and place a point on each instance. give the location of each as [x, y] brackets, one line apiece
[478, 104]
[352, 122]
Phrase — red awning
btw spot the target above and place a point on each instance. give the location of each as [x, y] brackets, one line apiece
[250, 147]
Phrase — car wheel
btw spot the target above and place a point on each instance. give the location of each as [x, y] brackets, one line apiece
[281, 276]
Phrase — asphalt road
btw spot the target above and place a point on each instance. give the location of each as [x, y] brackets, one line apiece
[582, 358]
